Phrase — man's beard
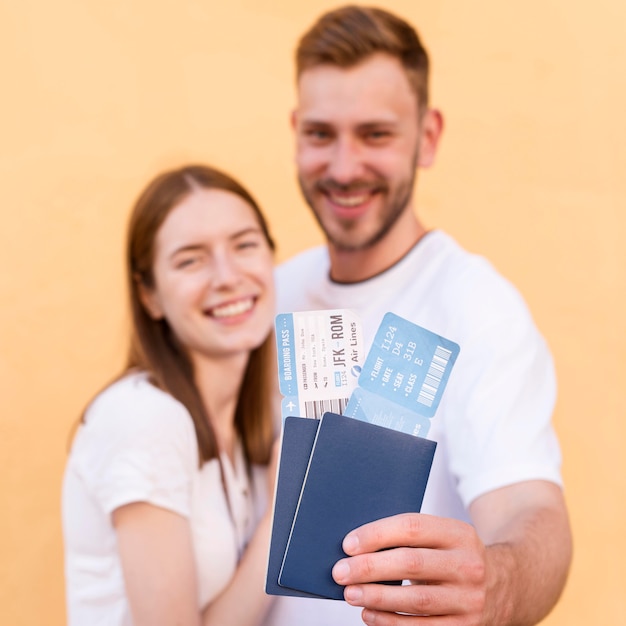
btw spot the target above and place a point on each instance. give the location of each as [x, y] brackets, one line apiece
[391, 211]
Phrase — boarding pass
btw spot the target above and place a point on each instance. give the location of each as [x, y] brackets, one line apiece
[403, 377]
[320, 355]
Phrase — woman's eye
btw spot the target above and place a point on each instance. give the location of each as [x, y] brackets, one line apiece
[243, 245]
[186, 262]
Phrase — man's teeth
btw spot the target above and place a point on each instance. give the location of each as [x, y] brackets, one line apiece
[349, 201]
[232, 309]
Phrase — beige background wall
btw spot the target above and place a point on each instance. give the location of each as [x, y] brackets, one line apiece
[99, 96]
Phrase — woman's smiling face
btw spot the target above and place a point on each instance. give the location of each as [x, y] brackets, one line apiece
[213, 275]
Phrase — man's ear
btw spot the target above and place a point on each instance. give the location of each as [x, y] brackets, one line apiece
[430, 132]
[149, 299]
[294, 119]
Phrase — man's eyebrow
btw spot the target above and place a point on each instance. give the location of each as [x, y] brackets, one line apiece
[315, 122]
[376, 123]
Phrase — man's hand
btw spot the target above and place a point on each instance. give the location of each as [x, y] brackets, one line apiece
[509, 568]
[444, 559]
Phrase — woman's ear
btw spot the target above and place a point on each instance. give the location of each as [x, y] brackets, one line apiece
[149, 298]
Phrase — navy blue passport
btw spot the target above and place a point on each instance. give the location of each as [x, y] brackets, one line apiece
[358, 472]
[296, 446]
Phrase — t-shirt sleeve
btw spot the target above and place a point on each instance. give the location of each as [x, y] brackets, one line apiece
[137, 445]
[499, 425]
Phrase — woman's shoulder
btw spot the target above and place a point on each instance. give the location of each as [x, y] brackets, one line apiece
[134, 391]
[137, 443]
[133, 404]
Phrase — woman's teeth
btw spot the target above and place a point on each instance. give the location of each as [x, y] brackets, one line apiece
[233, 308]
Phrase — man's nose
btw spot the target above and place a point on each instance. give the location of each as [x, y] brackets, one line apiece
[345, 164]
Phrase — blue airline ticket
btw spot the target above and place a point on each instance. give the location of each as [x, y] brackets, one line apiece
[403, 377]
[320, 354]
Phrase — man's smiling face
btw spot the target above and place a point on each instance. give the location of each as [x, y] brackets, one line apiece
[358, 134]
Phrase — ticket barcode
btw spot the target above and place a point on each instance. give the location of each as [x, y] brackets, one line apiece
[431, 383]
[316, 408]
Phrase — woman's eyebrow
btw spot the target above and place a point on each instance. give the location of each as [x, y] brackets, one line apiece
[193, 247]
[247, 231]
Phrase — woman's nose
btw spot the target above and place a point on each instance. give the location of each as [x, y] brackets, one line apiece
[225, 270]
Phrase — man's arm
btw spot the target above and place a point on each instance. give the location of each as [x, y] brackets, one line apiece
[507, 570]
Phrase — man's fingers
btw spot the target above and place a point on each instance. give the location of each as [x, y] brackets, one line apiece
[396, 564]
[373, 567]
[407, 529]
[423, 600]
[444, 556]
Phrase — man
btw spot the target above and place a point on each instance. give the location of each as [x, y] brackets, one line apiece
[492, 545]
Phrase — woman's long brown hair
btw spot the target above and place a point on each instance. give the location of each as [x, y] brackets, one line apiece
[153, 346]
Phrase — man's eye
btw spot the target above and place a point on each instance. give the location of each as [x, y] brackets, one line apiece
[378, 135]
[317, 134]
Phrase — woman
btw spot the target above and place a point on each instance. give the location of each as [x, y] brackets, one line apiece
[167, 477]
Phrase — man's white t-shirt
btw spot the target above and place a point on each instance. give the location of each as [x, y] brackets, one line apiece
[138, 444]
[493, 426]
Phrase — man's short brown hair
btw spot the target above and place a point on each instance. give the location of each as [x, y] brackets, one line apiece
[346, 36]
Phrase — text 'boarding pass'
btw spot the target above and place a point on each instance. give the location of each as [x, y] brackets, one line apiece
[320, 355]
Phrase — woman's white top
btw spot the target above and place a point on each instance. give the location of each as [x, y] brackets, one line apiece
[138, 444]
